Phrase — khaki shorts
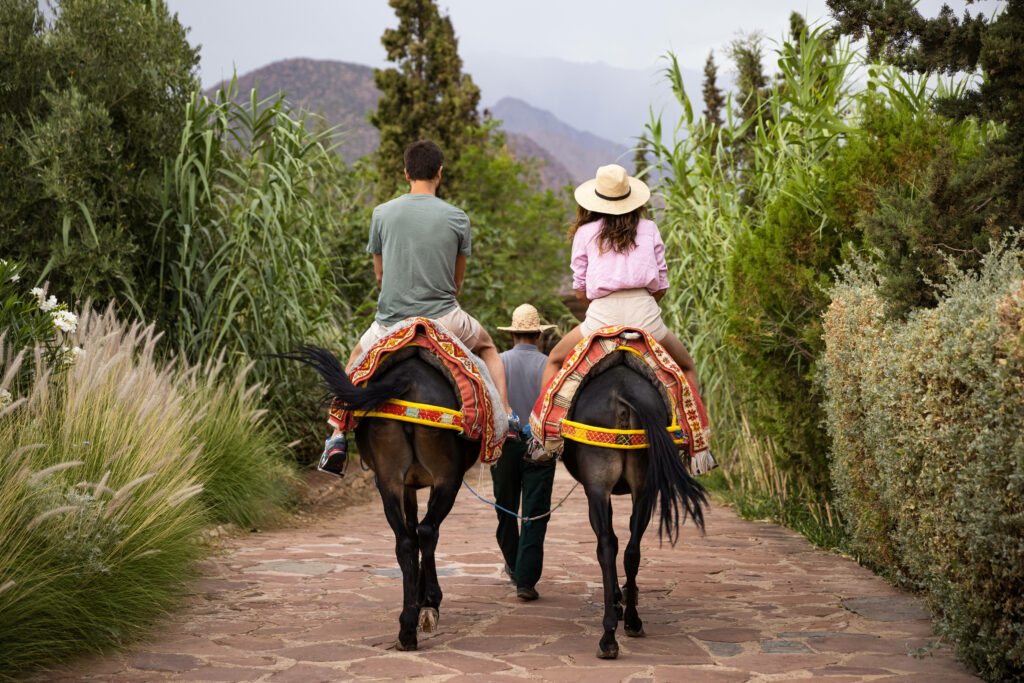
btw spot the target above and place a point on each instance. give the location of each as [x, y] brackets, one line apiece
[632, 307]
[459, 323]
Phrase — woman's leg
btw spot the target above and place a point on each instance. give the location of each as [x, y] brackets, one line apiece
[680, 355]
[558, 355]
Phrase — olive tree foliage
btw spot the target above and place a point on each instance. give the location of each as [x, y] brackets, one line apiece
[92, 100]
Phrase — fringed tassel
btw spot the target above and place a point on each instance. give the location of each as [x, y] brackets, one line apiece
[703, 462]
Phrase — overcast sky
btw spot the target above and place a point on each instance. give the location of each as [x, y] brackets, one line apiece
[247, 34]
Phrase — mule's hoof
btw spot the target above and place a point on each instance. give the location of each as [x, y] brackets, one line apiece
[634, 632]
[428, 619]
[405, 648]
[610, 653]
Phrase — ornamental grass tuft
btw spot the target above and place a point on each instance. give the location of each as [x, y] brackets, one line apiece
[109, 471]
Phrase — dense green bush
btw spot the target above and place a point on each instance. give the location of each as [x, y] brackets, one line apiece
[927, 422]
[93, 101]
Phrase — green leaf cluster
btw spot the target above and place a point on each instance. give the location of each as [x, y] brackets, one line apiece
[91, 103]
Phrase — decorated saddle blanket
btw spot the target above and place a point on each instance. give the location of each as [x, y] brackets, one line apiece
[481, 414]
[689, 426]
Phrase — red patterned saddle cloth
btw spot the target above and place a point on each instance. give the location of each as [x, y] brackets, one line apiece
[475, 417]
[690, 421]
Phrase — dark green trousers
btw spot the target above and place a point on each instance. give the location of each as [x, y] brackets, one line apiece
[513, 478]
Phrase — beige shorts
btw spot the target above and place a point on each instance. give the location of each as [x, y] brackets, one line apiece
[632, 307]
[459, 323]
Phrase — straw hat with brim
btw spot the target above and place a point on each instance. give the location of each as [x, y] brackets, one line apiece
[612, 192]
[526, 320]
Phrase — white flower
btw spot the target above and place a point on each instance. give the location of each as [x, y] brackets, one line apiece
[15, 277]
[38, 293]
[5, 398]
[49, 304]
[70, 355]
[65, 320]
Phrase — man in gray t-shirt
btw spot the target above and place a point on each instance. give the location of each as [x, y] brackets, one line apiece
[420, 245]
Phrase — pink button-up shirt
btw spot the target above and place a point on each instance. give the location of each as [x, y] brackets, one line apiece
[602, 273]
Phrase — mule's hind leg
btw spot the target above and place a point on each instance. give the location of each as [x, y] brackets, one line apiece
[607, 550]
[407, 552]
[392, 460]
[638, 521]
[442, 498]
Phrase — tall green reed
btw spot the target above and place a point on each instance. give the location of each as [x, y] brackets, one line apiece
[242, 257]
[713, 190]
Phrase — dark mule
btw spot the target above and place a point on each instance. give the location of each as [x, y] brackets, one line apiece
[406, 457]
[620, 393]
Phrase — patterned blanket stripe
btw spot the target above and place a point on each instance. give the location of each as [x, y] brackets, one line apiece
[554, 402]
[476, 399]
[614, 438]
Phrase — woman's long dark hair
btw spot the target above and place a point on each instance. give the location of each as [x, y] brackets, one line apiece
[618, 233]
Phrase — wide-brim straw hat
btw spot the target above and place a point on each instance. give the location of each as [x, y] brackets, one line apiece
[612, 191]
[525, 319]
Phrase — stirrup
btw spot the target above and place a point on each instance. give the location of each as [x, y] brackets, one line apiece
[535, 451]
[335, 456]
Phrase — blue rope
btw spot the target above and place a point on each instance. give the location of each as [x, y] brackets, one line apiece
[493, 504]
[526, 520]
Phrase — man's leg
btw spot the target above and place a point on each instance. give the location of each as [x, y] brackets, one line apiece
[357, 351]
[537, 482]
[559, 353]
[507, 488]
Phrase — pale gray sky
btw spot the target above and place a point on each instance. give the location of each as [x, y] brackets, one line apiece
[247, 34]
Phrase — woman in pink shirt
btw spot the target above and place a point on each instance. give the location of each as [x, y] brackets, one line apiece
[618, 266]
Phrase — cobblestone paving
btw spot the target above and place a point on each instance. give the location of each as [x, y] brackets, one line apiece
[747, 602]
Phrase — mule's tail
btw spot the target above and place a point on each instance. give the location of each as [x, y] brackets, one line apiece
[335, 380]
[676, 493]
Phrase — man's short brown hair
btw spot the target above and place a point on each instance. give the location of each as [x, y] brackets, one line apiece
[423, 159]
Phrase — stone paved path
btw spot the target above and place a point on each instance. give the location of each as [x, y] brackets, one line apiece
[748, 602]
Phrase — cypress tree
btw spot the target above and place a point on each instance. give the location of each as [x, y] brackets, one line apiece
[714, 99]
[425, 95]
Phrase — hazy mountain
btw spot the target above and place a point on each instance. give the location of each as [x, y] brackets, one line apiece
[609, 102]
[340, 91]
[343, 93]
[580, 152]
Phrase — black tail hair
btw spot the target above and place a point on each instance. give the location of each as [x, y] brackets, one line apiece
[335, 380]
[668, 483]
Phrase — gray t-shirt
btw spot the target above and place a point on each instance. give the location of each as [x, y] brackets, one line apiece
[524, 369]
[418, 237]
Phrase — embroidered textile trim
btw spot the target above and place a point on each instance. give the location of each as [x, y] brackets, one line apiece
[420, 413]
[614, 438]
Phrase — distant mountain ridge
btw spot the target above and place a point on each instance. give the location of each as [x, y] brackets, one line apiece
[580, 152]
[343, 93]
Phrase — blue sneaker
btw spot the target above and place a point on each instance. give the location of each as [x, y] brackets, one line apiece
[335, 456]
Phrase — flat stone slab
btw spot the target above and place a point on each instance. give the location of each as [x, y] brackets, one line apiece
[888, 609]
[784, 647]
[319, 601]
[307, 568]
